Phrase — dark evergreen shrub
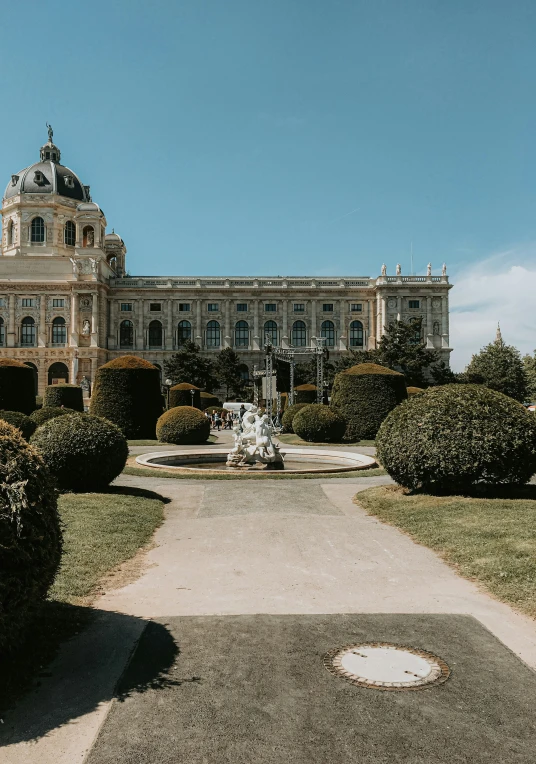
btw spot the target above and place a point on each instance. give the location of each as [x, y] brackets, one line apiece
[30, 534]
[19, 420]
[364, 395]
[305, 394]
[183, 424]
[127, 392]
[288, 416]
[38, 402]
[68, 396]
[414, 390]
[83, 452]
[181, 395]
[41, 416]
[208, 399]
[17, 386]
[451, 437]
[317, 423]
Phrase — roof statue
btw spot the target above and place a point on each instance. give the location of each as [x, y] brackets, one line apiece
[498, 336]
[444, 270]
[398, 269]
[384, 270]
[429, 269]
[50, 132]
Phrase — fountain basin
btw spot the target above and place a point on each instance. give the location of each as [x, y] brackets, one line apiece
[297, 461]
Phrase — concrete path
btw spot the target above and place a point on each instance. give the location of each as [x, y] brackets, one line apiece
[268, 547]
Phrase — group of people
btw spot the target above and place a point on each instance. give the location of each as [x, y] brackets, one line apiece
[224, 420]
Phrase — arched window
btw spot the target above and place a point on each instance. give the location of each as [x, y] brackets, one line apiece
[327, 330]
[242, 334]
[59, 331]
[213, 334]
[88, 236]
[11, 233]
[155, 334]
[70, 233]
[58, 373]
[270, 332]
[184, 333]
[27, 333]
[37, 231]
[126, 334]
[2, 331]
[299, 334]
[356, 334]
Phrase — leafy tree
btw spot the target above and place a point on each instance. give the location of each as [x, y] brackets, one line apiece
[187, 365]
[500, 367]
[228, 369]
[355, 357]
[442, 375]
[529, 362]
[305, 373]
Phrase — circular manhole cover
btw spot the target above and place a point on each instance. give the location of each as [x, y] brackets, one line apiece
[384, 666]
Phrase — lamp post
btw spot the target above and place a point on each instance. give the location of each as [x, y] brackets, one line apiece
[192, 393]
[167, 385]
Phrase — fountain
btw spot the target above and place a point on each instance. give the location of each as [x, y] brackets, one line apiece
[253, 443]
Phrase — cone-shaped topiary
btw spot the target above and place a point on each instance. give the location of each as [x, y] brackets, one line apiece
[414, 390]
[183, 424]
[288, 416]
[364, 395]
[17, 386]
[127, 392]
[317, 423]
[83, 452]
[451, 437]
[69, 396]
[23, 423]
[305, 394]
[41, 416]
[181, 395]
[208, 399]
[30, 534]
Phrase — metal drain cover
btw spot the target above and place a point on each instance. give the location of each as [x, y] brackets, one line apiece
[384, 666]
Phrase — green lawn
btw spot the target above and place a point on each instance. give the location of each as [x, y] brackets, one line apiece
[293, 440]
[488, 540]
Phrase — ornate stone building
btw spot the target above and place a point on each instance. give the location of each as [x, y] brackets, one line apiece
[67, 305]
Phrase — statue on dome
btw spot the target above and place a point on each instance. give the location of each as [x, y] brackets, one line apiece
[50, 133]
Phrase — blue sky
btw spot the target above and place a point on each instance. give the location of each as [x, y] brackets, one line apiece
[290, 136]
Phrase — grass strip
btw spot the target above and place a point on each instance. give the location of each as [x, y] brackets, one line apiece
[488, 540]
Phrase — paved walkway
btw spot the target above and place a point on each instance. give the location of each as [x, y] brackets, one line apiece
[236, 548]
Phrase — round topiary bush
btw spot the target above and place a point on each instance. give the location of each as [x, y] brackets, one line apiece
[181, 395]
[208, 399]
[364, 395]
[183, 424]
[305, 394]
[451, 437]
[17, 386]
[288, 416]
[41, 416]
[69, 396]
[83, 452]
[127, 392]
[30, 534]
[414, 390]
[317, 423]
[23, 423]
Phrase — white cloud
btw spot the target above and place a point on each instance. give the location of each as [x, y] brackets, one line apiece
[500, 289]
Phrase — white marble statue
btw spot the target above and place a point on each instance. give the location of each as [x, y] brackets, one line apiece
[253, 442]
[429, 269]
[398, 269]
[384, 270]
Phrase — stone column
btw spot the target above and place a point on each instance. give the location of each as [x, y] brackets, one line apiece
[94, 320]
[11, 336]
[445, 320]
[168, 345]
[378, 317]
[227, 343]
[198, 329]
[314, 327]
[74, 319]
[284, 338]
[94, 365]
[399, 307]
[371, 339]
[429, 333]
[343, 337]
[139, 323]
[112, 328]
[256, 345]
[42, 334]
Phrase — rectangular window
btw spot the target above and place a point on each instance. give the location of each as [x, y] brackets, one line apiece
[28, 302]
[155, 306]
[213, 307]
[2, 302]
[327, 307]
[299, 307]
[414, 303]
[357, 307]
[270, 307]
[242, 307]
[126, 307]
[58, 302]
[184, 307]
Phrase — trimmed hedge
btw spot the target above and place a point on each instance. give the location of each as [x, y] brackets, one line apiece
[127, 392]
[183, 424]
[181, 395]
[17, 386]
[30, 534]
[68, 396]
[452, 437]
[288, 416]
[209, 399]
[83, 452]
[41, 416]
[364, 395]
[414, 390]
[17, 419]
[305, 394]
[317, 423]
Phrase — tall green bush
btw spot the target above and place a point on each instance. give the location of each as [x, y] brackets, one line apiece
[183, 424]
[208, 399]
[127, 392]
[288, 416]
[317, 423]
[30, 534]
[17, 386]
[364, 395]
[305, 394]
[181, 395]
[68, 396]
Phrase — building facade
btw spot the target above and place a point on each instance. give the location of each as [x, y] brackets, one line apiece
[67, 304]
